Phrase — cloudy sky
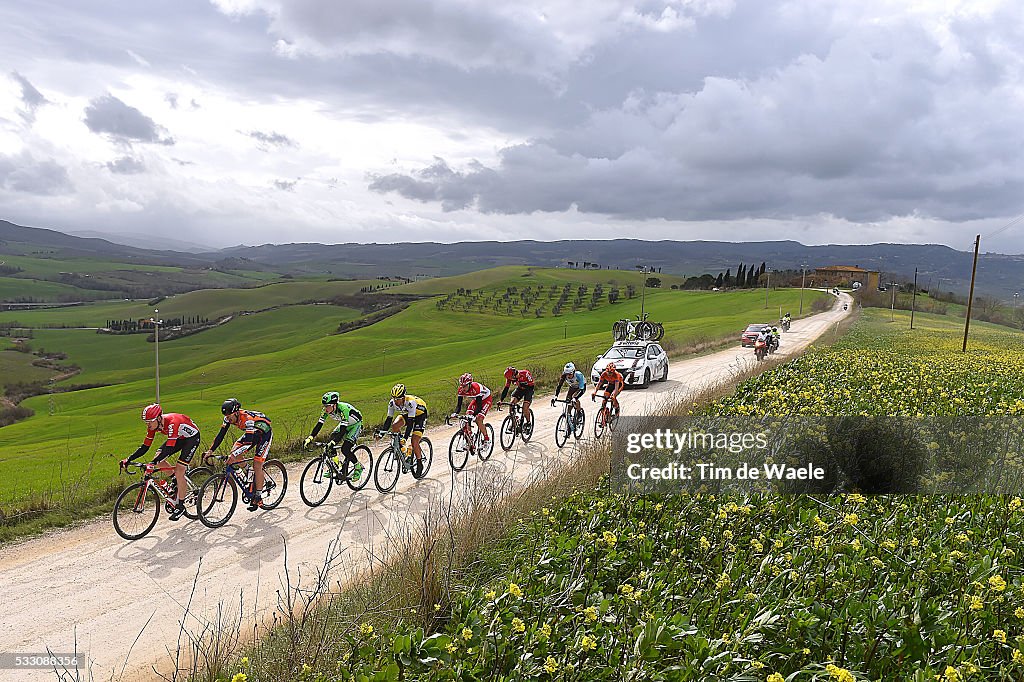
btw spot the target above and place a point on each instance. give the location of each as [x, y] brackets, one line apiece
[254, 121]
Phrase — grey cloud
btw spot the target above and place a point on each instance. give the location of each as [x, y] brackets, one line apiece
[267, 140]
[122, 122]
[285, 185]
[23, 173]
[30, 97]
[126, 165]
[172, 99]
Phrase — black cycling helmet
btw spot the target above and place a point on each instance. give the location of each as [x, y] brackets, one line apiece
[230, 406]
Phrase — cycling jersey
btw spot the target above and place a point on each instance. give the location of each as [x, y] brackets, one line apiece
[577, 381]
[175, 426]
[480, 397]
[610, 379]
[522, 387]
[414, 410]
[256, 427]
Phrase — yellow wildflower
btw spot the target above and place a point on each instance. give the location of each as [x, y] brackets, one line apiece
[514, 590]
[551, 665]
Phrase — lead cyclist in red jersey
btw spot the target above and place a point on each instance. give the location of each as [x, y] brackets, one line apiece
[182, 438]
[480, 398]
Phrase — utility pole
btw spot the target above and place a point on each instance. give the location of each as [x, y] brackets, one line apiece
[970, 299]
[383, 360]
[803, 274]
[156, 344]
[892, 308]
[643, 291]
[913, 301]
[1015, 295]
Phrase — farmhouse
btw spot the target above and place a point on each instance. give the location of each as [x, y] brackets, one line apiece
[845, 275]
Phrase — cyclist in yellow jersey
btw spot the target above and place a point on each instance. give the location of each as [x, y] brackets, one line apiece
[412, 411]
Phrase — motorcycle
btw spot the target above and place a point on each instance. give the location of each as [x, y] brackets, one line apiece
[785, 324]
[760, 350]
[773, 345]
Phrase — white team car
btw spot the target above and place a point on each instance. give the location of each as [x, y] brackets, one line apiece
[637, 361]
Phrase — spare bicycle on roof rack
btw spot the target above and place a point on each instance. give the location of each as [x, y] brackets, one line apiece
[638, 330]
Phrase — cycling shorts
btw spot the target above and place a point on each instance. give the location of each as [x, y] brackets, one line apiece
[184, 447]
[524, 393]
[611, 388]
[419, 422]
[346, 432]
[262, 448]
[479, 406]
[574, 392]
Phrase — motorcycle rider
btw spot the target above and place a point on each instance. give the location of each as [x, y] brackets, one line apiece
[775, 337]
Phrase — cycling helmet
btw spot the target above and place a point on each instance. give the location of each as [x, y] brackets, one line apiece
[330, 398]
[510, 373]
[569, 368]
[151, 412]
[609, 366]
[230, 406]
[465, 379]
[398, 391]
[523, 375]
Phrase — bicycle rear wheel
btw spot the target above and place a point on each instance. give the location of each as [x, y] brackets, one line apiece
[527, 431]
[458, 451]
[485, 450]
[508, 433]
[316, 482]
[136, 510]
[385, 476]
[427, 450]
[217, 500]
[562, 430]
[580, 423]
[365, 457]
[194, 479]
[275, 483]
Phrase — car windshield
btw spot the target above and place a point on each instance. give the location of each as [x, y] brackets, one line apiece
[755, 327]
[624, 353]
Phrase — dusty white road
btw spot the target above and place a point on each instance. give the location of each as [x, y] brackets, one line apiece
[124, 603]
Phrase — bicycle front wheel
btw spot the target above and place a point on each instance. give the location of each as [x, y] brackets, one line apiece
[385, 476]
[458, 451]
[365, 458]
[562, 430]
[275, 483]
[217, 500]
[136, 510]
[527, 431]
[485, 449]
[508, 433]
[599, 423]
[316, 482]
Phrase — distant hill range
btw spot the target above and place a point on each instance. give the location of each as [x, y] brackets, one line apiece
[998, 274]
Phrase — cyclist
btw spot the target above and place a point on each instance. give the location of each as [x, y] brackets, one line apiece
[479, 402]
[523, 390]
[257, 436]
[412, 411]
[182, 438]
[612, 382]
[350, 423]
[577, 387]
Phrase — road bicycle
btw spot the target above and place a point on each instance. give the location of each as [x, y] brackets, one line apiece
[514, 425]
[323, 472]
[398, 458]
[571, 421]
[468, 440]
[138, 506]
[219, 495]
[606, 417]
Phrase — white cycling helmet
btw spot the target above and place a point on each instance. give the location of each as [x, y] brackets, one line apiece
[569, 368]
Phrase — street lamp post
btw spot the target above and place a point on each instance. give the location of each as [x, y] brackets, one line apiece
[913, 301]
[156, 345]
[892, 308]
[1015, 295]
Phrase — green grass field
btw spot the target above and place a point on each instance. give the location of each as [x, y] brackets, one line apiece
[210, 303]
[15, 367]
[281, 361]
[518, 275]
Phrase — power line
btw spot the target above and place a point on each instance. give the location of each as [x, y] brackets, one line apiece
[1007, 226]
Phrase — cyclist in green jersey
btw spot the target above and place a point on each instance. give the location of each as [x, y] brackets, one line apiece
[350, 423]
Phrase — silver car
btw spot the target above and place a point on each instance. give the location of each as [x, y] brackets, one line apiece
[638, 362]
